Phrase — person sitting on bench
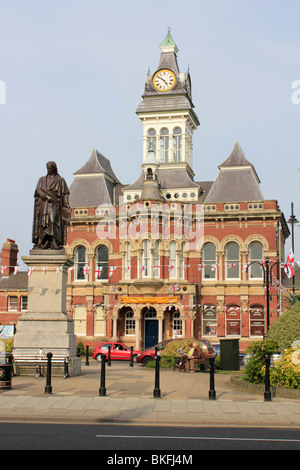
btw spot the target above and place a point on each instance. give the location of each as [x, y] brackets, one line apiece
[186, 357]
[196, 357]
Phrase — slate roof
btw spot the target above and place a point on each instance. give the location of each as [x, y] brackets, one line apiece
[15, 281]
[237, 180]
[168, 178]
[97, 163]
[94, 183]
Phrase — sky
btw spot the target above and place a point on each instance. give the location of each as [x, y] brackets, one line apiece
[72, 74]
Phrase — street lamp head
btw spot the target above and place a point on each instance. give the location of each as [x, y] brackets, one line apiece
[293, 220]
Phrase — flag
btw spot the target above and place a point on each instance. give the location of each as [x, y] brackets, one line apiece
[30, 270]
[98, 270]
[3, 268]
[45, 269]
[58, 270]
[289, 264]
[112, 270]
[290, 258]
[16, 270]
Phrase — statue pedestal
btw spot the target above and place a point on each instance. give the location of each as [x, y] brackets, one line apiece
[46, 325]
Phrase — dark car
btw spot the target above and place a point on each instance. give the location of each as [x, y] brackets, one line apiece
[149, 354]
[118, 352]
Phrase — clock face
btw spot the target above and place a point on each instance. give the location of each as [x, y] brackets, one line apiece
[164, 80]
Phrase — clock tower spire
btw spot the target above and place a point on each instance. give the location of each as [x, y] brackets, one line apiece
[167, 111]
[169, 121]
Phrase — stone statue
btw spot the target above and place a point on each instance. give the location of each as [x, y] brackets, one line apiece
[51, 211]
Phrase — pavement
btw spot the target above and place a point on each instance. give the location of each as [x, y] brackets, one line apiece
[184, 400]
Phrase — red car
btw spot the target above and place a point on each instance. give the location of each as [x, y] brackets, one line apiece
[118, 352]
[149, 354]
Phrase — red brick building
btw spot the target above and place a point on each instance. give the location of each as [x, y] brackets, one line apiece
[167, 255]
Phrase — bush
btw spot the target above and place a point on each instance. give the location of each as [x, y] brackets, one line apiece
[80, 346]
[285, 373]
[255, 365]
[286, 328]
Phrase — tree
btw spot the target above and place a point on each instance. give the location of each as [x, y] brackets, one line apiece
[286, 328]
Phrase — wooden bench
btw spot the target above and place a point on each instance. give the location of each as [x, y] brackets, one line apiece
[39, 363]
[198, 361]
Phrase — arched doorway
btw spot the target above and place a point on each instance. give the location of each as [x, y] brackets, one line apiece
[150, 328]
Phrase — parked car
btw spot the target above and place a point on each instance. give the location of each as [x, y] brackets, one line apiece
[149, 354]
[118, 352]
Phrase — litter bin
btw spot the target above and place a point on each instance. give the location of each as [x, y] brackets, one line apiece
[229, 354]
[6, 366]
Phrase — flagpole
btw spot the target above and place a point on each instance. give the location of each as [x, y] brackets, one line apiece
[292, 220]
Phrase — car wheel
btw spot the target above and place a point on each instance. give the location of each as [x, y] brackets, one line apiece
[99, 357]
[146, 360]
[134, 357]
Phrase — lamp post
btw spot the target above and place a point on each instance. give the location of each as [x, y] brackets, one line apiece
[267, 268]
[292, 220]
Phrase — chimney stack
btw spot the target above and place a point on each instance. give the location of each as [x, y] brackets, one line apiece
[9, 257]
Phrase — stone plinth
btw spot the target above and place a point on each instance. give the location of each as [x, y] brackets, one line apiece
[46, 324]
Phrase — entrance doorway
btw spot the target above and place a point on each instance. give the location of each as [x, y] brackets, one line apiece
[151, 328]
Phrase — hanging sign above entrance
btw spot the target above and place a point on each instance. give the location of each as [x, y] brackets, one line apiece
[148, 300]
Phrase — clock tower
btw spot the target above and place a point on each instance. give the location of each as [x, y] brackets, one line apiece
[167, 111]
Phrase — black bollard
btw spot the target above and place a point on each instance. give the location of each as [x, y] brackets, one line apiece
[66, 367]
[131, 357]
[48, 388]
[102, 389]
[109, 360]
[156, 391]
[212, 392]
[87, 355]
[267, 394]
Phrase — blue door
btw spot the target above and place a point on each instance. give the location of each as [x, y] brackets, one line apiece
[151, 333]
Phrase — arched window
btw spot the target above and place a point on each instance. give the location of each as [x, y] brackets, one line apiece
[81, 264]
[127, 267]
[177, 324]
[172, 260]
[181, 261]
[156, 260]
[232, 261]
[146, 258]
[102, 263]
[129, 324]
[255, 254]
[177, 144]
[164, 145]
[152, 138]
[209, 320]
[233, 320]
[149, 175]
[257, 320]
[209, 260]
